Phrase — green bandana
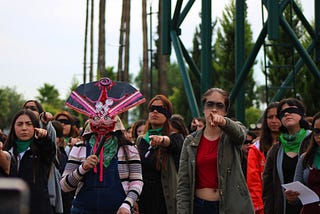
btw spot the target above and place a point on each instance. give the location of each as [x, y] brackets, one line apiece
[316, 159]
[150, 132]
[110, 149]
[291, 143]
[22, 146]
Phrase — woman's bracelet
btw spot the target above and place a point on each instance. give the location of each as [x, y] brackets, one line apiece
[164, 142]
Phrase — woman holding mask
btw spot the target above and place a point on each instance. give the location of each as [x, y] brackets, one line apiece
[105, 167]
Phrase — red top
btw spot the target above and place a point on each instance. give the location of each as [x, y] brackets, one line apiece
[206, 165]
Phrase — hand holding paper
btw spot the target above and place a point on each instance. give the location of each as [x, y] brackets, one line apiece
[306, 195]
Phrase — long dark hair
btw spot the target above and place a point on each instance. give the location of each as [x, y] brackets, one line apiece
[12, 137]
[177, 122]
[74, 131]
[39, 106]
[135, 126]
[168, 106]
[161, 153]
[313, 146]
[266, 135]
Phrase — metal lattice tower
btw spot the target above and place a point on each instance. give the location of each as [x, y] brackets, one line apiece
[270, 29]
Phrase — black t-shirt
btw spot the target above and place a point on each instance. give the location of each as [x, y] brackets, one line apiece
[289, 168]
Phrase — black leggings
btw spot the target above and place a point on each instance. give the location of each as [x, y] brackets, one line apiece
[201, 206]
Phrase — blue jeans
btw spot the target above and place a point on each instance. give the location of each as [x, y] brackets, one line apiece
[201, 206]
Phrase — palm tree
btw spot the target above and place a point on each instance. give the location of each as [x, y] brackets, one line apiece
[101, 47]
[91, 42]
[85, 44]
[162, 59]
[145, 67]
[123, 61]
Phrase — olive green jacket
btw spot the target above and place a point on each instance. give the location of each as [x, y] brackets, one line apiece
[234, 194]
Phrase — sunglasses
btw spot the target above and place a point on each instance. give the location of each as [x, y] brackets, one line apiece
[64, 121]
[216, 105]
[32, 108]
[248, 142]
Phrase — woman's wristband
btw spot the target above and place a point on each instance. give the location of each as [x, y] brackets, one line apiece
[164, 141]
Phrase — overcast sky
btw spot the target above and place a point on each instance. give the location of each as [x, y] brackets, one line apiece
[42, 41]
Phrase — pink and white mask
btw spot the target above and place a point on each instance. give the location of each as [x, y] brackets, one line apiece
[102, 101]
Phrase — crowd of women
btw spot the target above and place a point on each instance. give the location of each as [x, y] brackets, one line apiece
[163, 166]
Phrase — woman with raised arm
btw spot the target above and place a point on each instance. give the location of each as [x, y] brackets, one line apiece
[210, 178]
[33, 152]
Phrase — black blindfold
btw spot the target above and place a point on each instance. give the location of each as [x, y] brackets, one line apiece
[290, 110]
[161, 110]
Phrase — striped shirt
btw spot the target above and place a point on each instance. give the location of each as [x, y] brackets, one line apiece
[129, 168]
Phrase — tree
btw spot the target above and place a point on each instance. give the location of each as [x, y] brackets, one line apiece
[85, 43]
[224, 52]
[91, 42]
[49, 95]
[281, 59]
[309, 93]
[124, 42]
[101, 47]
[177, 94]
[10, 103]
[162, 60]
[145, 69]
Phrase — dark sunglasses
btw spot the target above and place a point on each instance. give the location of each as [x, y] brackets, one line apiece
[161, 110]
[248, 142]
[64, 121]
[216, 105]
[316, 131]
[290, 110]
[32, 108]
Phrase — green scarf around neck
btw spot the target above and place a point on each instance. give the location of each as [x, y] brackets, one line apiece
[316, 159]
[110, 148]
[150, 132]
[291, 143]
[22, 146]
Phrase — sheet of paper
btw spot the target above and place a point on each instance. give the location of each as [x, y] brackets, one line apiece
[306, 196]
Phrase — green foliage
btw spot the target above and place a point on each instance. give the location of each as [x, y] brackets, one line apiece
[224, 52]
[252, 115]
[282, 56]
[177, 93]
[10, 103]
[50, 95]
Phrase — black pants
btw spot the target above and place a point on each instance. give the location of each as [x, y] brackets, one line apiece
[201, 206]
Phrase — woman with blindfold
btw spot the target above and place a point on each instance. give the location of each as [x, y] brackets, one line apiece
[283, 157]
[70, 135]
[71, 132]
[210, 178]
[308, 169]
[159, 157]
